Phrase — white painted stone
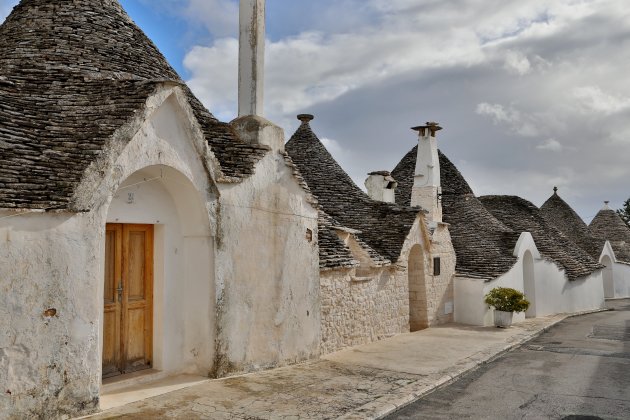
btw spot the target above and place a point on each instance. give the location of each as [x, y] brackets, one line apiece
[552, 292]
[236, 279]
[251, 57]
[381, 188]
[616, 277]
[426, 183]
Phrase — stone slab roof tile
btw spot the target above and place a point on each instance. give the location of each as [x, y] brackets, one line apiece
[522, 216]
[608, 225]
[333, 253]
[559, 214]
[483, 245]
[71, 73]
[384, 227]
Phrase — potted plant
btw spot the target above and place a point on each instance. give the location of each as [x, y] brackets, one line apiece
[505, 302]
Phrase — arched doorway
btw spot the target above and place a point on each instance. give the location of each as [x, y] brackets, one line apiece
[158, 288]
[529, 283]
[418, 305]
[609, 282]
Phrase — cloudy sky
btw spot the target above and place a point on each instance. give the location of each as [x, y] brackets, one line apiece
[531, 93]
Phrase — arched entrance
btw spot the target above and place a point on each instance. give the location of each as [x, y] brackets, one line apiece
[529, 283]
[609, 282]
[158, 290]
[418, 307]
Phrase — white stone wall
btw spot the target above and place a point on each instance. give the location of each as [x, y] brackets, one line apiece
[266, 269]
[51, 366]
[552, 291]
[358, 311]
[616, 275]
[260, 297]
[440, 293]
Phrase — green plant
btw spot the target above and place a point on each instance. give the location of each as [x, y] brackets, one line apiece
[507, 300]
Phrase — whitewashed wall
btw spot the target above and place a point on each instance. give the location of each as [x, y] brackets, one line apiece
[236, 279]
[267, 269]
[616, 274]
[552, 292]
[52, 366]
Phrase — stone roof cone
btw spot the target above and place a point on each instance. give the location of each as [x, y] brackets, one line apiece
[608, 224]
[383, 226]
[560, 214]
[50, 37]
[72, 73]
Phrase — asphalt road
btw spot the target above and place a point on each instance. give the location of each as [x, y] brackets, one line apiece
[578, 370]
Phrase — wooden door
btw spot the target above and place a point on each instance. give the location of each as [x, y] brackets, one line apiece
[128, 299]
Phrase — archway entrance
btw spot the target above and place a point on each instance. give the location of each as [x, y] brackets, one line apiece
[609, 282]
[159, 291]
[418, 308]
[529, 283]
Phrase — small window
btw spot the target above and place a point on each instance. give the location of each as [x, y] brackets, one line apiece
[309, 235]
[436, 266]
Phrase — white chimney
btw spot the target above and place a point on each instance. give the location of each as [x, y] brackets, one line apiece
[381, 186]
[251, 57]
[426, 191]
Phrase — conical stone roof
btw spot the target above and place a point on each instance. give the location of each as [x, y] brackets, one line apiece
[71, 73]
[483, 245]
[608, 225]
[522, 216]
[384, 227]
[559, 214]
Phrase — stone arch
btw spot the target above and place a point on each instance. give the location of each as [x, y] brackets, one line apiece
[418, 302]
[609, 283]
[529, 283]
[183, 292]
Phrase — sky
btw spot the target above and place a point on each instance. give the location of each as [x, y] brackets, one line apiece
[532, 94]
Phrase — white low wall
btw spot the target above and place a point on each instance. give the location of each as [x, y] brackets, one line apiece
[549, 291]
[616, 275]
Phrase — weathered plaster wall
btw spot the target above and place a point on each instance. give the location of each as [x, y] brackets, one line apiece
[267, 270]
[50, 366]
[49, 317]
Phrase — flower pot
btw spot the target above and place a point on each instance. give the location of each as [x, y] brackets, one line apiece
[503, 319]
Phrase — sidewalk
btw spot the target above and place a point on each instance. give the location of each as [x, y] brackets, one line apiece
[363, 382]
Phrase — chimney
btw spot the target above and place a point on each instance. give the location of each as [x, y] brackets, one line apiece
[250, 124]
[251, 61]
[381, 186]
[426, 191]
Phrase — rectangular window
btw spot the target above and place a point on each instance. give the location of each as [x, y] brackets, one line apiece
[436, 266]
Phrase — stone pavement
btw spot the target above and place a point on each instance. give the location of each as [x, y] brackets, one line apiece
[363, 382]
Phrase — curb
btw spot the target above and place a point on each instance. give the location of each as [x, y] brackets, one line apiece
[411, 393]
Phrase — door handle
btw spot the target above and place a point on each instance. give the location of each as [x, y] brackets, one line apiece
[119, 289]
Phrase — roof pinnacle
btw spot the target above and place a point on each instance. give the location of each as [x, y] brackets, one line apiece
[305, 118]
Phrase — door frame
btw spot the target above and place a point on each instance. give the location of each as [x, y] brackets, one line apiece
[121, 265]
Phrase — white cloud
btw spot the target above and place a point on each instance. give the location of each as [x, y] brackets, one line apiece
[517, 63]
[551, 145]
[519, 123]
[593, 99]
